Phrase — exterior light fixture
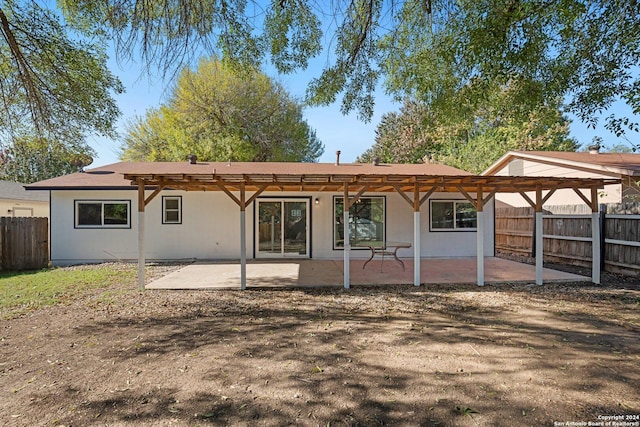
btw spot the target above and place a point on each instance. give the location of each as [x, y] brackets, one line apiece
[317, 201]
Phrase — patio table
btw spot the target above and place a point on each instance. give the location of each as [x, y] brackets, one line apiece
[383, 248]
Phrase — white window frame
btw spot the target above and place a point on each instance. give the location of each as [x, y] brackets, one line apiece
[165, 209]
[102, 224]
[455, 219]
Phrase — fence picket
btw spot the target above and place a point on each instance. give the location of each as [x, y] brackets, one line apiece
[24, 243]
[567, 230]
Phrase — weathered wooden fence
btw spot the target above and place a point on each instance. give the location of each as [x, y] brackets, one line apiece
[24, 243]
[567, 235]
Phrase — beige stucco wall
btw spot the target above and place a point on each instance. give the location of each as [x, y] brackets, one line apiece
[610, 194]
[29, 208]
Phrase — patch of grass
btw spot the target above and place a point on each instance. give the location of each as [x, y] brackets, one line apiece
[24, 291]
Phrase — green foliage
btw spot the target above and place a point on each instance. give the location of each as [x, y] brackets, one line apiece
[221, 112]
[585, 51]
[53, 82]
[418, 134]
[31, 158]
[24, 291]
[55, 89]
[447, 52]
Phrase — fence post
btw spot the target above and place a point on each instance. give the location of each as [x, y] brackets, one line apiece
[1, 240]
[603, 235]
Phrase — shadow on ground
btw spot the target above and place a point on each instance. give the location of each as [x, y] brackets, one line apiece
[451, 355]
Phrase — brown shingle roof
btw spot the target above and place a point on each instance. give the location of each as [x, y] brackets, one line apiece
[112, 176]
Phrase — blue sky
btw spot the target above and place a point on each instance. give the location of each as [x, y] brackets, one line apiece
[338, 132]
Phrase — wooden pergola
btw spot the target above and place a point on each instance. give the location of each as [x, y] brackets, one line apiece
[415, 189]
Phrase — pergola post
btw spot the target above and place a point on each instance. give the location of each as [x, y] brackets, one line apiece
[595, 237]
[478, 203]
[539, 241]
[347, 244]
[416, 236]
[243, 239]
[480, 236]
[141, 255]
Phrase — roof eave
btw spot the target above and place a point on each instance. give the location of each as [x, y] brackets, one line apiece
[596, 168]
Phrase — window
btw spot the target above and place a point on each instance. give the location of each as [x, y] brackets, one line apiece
[103, 214]
[172, 209]
[366, 221]
[448, 215]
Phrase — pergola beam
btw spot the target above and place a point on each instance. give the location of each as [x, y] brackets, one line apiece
[548, 195]
[527, 199]
[583, 197]
[378, 182]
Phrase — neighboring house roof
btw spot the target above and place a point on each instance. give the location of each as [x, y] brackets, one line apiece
[16, 191]
[613, 164]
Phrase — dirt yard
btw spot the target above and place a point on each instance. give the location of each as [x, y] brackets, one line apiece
[508, 355]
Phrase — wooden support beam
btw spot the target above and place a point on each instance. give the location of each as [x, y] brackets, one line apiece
[538, 205]
[243, 195]
[548, 195]
[349, 201]
[255, 195]
[479, 200]
[489, 196]
[584, 198]
[527, 199]
[141, 203]
[428, 194]
[466, 195]
[594, 200]
[403, 194]
[231, 195]
[154, 194]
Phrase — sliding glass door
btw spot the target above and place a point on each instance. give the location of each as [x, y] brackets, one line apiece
[282, 228]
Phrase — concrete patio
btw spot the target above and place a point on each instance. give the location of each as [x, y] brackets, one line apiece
[315, 273]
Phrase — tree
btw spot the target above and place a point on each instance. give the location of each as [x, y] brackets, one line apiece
[55, 89]
[583, 50]
[445, 52]
[31, 158]
[220, 112]
[53, 82]
[418, 134]
[404, 137]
